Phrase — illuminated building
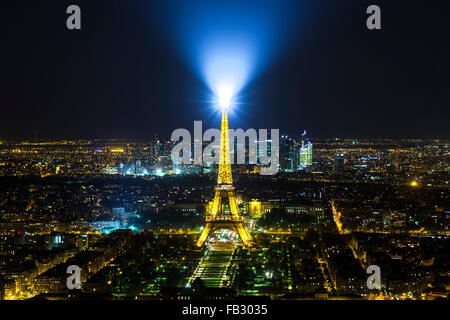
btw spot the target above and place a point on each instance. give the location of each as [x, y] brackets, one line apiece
[263, 148]
[117, 150]
[110, 170]
[287, 154]
[134, 169]
[55, 241]
[7, 288]
[305, 155]
[218, 216]
[254, 208]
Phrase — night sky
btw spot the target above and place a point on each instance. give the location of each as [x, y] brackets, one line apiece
[124, 74]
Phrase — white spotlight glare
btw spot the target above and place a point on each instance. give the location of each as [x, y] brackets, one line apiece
[224, 96]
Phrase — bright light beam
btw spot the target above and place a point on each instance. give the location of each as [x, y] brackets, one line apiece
[225, 95]
[228, 43]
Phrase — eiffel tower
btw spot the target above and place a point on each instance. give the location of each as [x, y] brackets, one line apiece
[224, 192]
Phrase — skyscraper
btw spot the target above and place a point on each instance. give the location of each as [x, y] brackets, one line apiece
[305, 155]
[287, 154]
[339, 163]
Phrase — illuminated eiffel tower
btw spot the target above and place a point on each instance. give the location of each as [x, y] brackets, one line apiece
[216, 217]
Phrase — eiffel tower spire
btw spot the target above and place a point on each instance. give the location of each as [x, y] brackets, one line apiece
[224, 176]
[216, 217]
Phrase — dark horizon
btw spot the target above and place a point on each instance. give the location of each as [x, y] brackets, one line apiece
[121, 75]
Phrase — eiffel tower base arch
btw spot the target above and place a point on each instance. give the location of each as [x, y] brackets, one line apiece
[216, 219]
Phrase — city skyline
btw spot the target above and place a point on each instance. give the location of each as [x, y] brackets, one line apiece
[61, 206]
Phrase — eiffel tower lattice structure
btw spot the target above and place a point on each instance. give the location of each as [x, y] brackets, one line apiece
[216, 217]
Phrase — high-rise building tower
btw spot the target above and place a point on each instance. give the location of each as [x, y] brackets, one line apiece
[287, 154]
[339, 163]
[305, 153]
[224, 211]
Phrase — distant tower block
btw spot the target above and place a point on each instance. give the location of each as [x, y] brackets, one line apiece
[216, 217]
